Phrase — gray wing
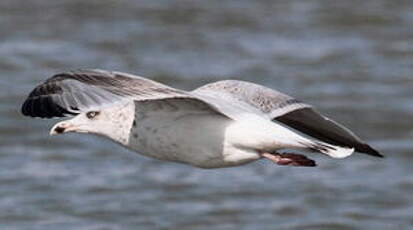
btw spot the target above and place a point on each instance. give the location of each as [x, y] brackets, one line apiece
[282, 108]
[252, 97]
[75, 92]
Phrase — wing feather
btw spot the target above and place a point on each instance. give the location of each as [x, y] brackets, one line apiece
[75, 92]
[266, 101]
[282, 108]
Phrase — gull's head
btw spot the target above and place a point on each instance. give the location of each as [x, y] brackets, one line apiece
[114, 123]
[89, 122]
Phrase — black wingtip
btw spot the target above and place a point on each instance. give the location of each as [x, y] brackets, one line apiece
[44, 107]
[366, 149]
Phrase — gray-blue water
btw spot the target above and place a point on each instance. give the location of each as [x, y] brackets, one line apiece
[352, 59]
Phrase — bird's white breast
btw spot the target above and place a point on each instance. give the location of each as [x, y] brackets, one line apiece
[193, 139]
[200, 137]
[197, 138]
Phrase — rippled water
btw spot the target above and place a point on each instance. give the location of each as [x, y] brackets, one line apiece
[352, 59]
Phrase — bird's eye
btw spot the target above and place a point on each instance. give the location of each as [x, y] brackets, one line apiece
[92, 114]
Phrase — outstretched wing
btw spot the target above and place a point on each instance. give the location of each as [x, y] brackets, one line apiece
[287, 110]
[75, 92]
[266, 101]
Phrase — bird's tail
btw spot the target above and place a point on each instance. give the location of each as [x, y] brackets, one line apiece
[331, 150]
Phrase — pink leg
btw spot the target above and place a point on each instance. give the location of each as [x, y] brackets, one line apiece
[291, 159]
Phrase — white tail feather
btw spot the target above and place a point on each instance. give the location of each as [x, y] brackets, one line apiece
[331, 150]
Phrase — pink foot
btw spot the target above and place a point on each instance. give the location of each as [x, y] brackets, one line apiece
[291, 159]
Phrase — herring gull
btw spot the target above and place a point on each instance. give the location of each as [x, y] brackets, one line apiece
[221, 124]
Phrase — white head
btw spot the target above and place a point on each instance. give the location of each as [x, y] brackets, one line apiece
[113, 122]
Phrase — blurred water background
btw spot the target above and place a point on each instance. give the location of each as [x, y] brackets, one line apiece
[352, 59]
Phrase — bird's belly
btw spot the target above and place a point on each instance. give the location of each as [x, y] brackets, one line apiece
[198, 140]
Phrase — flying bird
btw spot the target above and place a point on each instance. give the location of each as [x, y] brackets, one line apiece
[221, 124]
